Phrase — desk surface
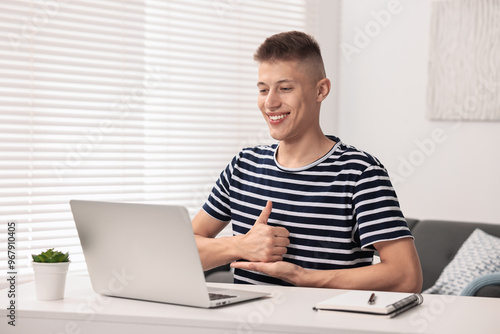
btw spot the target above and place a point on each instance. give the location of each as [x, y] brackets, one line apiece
[289, 310]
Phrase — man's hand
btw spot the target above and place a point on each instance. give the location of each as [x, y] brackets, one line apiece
[285, 271]
[264, 243]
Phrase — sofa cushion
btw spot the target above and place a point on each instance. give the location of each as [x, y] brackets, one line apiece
[489, 291]
[484, 284]
[437, 242]
[479, 255]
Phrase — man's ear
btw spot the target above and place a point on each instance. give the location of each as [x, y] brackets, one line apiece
[323, 89]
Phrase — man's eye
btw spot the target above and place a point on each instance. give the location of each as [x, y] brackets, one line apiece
[286, 89]
[262, 91]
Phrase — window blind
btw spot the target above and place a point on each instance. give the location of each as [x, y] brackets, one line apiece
[136, 100]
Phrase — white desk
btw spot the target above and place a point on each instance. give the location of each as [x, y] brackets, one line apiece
[288, 311]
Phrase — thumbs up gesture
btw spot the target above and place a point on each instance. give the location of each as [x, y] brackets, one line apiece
[264, 243]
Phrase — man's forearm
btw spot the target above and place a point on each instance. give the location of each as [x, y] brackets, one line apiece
[216, 252]
[399, 270]
[379, 277]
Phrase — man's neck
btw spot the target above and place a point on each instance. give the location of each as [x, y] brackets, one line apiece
[300, 153]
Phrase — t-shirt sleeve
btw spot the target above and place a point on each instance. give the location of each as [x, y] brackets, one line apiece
[218, 202]
[376, 208]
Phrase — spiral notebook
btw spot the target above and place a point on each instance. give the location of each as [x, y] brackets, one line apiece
[380, 302]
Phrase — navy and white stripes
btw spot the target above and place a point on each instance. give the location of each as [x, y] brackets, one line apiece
[334, 208]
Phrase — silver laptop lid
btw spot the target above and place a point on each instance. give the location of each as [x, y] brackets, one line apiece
[141, 251]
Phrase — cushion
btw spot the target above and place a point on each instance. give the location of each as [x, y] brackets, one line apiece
[492, 291]
[479, 255]
[480, 282]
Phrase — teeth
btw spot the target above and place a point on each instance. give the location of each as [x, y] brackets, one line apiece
[275, 118]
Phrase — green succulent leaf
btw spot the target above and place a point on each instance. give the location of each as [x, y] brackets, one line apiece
[51, 256]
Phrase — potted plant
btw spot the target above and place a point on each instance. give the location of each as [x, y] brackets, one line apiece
[50, 269]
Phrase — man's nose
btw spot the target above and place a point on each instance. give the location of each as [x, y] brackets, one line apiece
[273, 100]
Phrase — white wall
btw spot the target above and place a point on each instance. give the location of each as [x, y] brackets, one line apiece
[441, 170]
[327, 33]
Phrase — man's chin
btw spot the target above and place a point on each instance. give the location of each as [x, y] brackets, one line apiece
[276, 135]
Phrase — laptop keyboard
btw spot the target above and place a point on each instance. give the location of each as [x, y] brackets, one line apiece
[217, 296]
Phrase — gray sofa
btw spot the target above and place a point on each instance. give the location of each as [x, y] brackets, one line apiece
[437, 242]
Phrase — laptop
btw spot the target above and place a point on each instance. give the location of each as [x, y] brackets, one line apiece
[146, 252]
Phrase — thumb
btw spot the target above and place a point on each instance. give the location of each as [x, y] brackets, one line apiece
[264, 215]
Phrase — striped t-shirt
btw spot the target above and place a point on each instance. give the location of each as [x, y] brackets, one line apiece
[334, 208]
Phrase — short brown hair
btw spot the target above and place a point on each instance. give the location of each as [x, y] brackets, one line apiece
[291, 45]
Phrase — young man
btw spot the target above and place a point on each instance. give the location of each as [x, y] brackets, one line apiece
[310, 210]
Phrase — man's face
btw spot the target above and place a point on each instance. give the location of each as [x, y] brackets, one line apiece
[287, 100]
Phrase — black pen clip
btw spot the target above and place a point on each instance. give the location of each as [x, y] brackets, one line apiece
[371, 301]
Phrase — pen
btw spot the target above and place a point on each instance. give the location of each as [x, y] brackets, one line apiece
[371, 301]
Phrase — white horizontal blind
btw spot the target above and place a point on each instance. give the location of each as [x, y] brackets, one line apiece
[136, 100]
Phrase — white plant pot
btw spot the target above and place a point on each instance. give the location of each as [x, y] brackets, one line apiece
[50, 280]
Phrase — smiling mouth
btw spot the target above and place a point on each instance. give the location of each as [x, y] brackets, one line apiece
[277, 117]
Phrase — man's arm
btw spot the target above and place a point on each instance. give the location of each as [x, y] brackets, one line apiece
[399, 270]
[262, 243]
